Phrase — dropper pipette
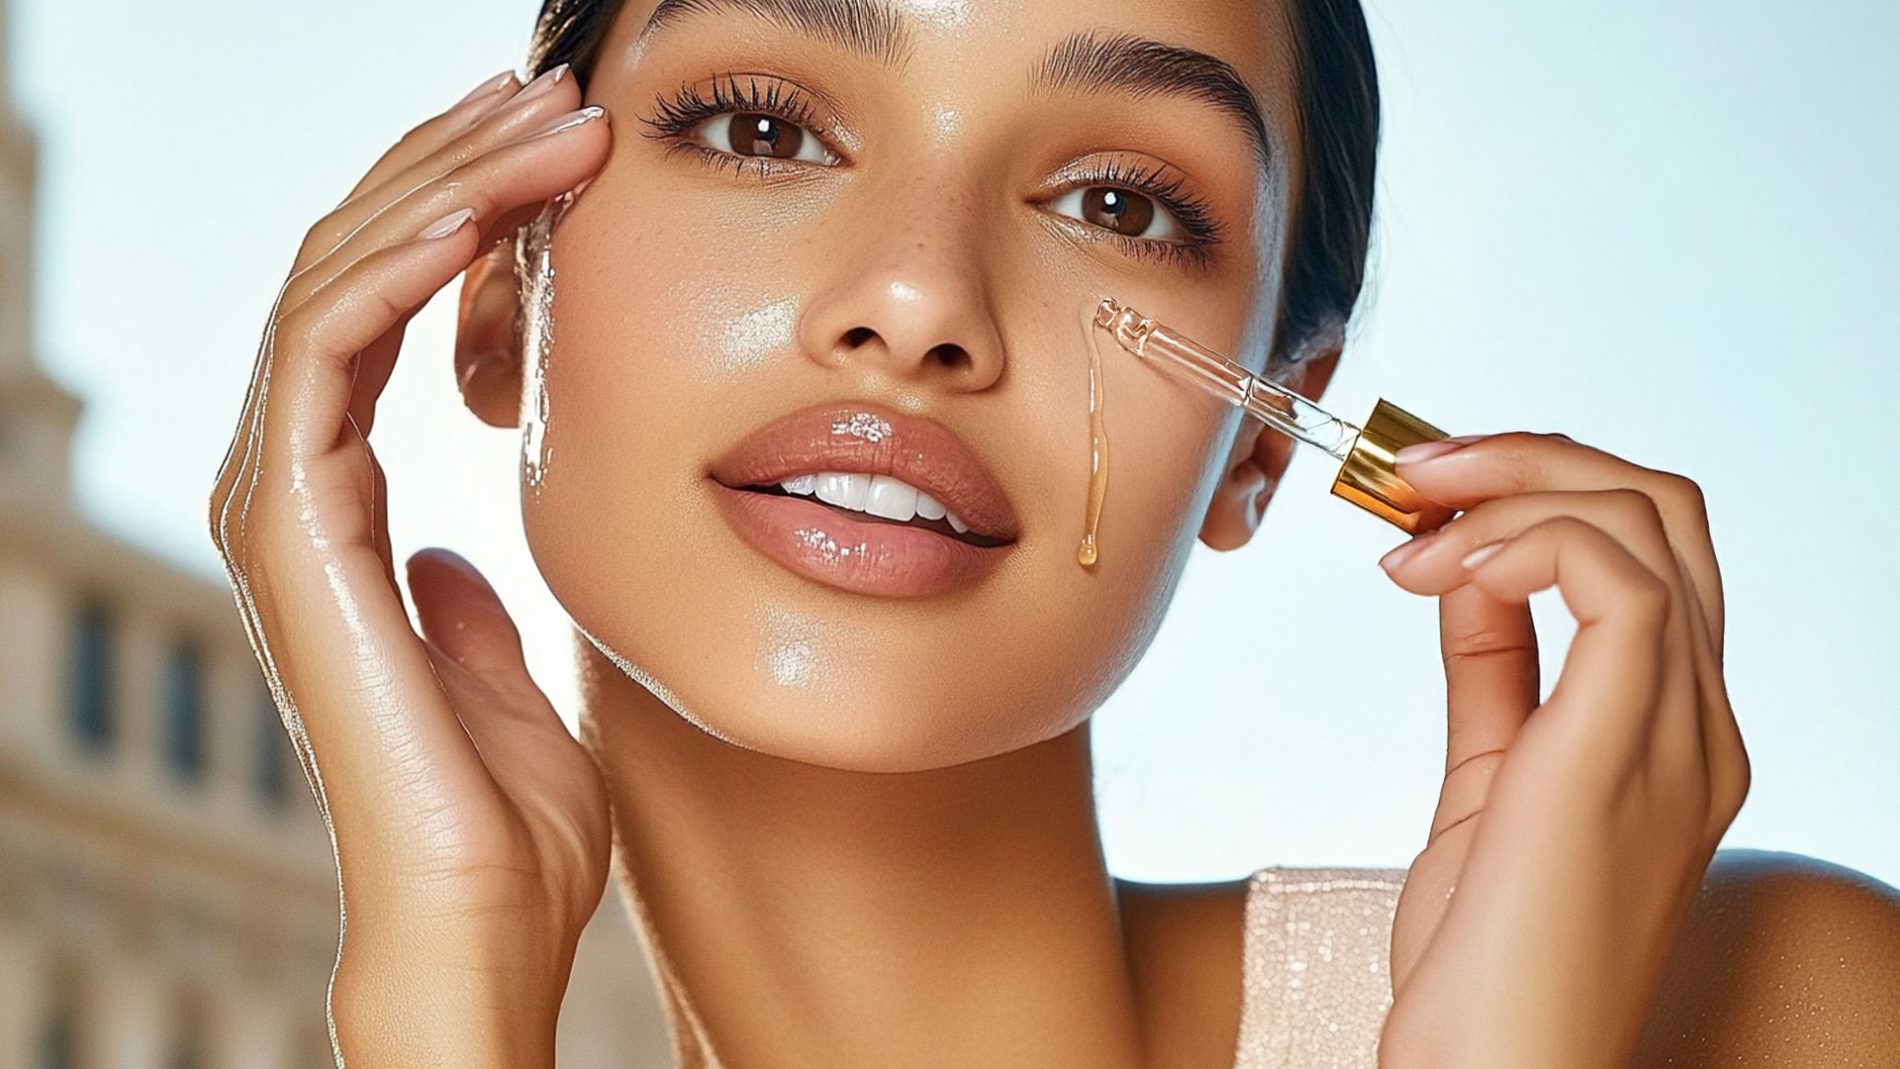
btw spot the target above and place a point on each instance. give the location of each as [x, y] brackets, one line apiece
[1366, 478]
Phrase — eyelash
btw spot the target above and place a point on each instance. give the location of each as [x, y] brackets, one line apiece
[1194, 214]
[674, 119]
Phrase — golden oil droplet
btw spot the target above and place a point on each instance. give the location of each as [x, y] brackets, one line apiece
[1087, 552]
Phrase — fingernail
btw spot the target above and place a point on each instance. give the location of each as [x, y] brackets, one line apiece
[1418, 451]
[568, 121]
[1404, 551]
[543, 82]
[1480, 555]
[447, 225]
[489, 87]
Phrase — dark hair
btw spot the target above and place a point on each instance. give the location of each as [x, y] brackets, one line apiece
[1338, 111]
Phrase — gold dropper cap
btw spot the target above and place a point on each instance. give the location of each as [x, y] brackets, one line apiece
[1370, 480]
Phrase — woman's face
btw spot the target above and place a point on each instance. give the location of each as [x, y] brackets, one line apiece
[862, 237]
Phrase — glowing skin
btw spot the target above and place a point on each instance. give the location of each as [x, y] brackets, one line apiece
[755, 334]
[930, 272]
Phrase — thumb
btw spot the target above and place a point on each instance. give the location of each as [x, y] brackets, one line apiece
[1491, 681]
[462, 616]
[1490, 653]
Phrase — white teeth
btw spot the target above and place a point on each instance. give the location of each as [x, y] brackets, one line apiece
[844, 489]
[879, 495]
[893, 499]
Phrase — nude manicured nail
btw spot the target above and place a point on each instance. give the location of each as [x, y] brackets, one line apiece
[489, 87]
[543, 82]
[1418, 451]
[1405, 551]
[1480, 555]
[447, 225]
[568, 121]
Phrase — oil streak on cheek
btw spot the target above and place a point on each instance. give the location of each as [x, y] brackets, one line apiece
[1087, 553]
[534, 268]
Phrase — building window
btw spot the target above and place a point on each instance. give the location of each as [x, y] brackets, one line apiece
[187, 1055]
[59, 1029]
[58, 1040]
[273, 752]
[188, 1047]
[93, 697]
[184, 711]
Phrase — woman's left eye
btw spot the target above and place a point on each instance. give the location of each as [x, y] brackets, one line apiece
[759, 135]
[1120, 211]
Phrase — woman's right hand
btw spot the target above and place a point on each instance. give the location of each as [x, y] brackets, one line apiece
[471, 829]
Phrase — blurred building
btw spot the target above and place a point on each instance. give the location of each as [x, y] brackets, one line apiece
[167, 893]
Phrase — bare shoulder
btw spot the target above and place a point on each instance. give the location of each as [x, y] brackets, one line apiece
[1785, 960]
[1184, 943]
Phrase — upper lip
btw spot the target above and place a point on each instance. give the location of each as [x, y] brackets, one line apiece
[867, 439]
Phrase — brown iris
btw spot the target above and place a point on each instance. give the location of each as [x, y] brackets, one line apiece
[754, 134]
[1117, 210]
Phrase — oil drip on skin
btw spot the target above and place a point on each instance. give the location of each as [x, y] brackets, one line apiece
[534, 268]
[1088, 552]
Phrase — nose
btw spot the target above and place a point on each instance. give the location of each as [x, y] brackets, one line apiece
[908, 302]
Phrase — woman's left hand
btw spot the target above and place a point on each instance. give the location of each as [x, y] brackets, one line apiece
[1574, 833]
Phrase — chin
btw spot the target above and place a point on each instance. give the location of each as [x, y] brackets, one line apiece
[769, 661]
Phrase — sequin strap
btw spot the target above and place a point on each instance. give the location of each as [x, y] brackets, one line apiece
[1314, 967]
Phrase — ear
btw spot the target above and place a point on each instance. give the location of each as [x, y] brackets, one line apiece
[1260, 456]
[487, 341]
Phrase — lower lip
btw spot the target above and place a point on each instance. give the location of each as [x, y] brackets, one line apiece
[827, 546]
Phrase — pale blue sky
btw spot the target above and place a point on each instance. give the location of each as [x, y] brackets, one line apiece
[1668, 230]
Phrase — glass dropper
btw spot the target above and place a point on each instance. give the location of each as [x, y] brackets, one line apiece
[1366, 476]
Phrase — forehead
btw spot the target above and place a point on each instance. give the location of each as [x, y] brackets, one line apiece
[992, 47]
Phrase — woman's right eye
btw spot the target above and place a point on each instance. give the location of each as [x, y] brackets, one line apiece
[759, 135]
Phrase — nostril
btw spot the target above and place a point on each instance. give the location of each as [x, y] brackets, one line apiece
[858, 336]
[949, 355]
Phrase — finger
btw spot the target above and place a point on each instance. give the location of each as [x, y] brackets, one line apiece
[1430, 563]
[423, 140]
[317, 343]
[505, 713]
[231, 487]
[504, 122]
[1435, 564]
[1491, 686]
[460, 613]
[1726, 756]
[544, 162]
[1615, 670]
[418, 143]
[504, 188]
[1519, 462]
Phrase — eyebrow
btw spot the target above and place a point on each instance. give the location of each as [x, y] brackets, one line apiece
[1086, 62]
[871, 27]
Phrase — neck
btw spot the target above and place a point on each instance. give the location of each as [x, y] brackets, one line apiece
[803, 915]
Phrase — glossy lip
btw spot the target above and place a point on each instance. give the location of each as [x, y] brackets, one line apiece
[873, 441]
[856, 551]
[830, 546]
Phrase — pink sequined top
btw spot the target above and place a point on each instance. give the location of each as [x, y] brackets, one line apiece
[1315, 968]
